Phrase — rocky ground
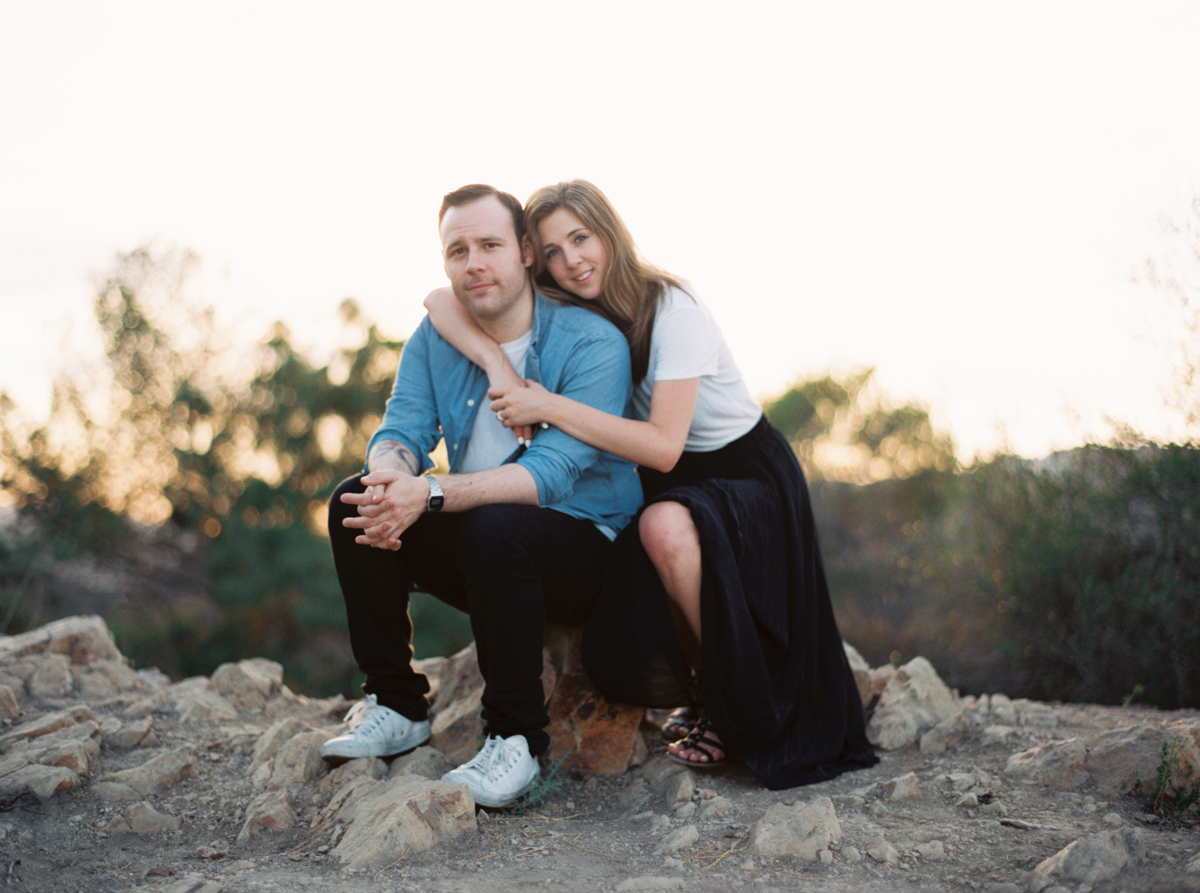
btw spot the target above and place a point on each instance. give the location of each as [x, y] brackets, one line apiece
[113, 779]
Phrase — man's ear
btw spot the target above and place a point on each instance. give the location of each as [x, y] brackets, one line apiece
[527, 251]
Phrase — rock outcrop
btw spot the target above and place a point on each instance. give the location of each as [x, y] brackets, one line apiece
[230, 763]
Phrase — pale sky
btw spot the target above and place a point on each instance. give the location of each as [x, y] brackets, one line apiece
[956, 194]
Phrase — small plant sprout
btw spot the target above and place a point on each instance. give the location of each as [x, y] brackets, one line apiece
[1167, 800]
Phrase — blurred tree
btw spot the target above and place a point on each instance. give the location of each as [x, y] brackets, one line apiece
[843, 429]
[227, 462]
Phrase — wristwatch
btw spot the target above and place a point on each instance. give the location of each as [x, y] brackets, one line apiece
[436, 497]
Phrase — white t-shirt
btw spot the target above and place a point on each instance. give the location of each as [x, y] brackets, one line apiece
[491, 443]
[686, 343]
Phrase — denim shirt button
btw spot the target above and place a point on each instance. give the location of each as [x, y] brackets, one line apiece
[471, 402]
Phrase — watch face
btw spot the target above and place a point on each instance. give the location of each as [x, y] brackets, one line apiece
[436, 498]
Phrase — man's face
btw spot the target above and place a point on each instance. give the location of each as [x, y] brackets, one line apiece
[486, 264]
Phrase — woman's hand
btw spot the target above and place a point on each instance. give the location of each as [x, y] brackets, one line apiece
[523, 406]
[501, 379]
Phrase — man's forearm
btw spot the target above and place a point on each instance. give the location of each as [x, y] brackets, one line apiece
[395, 499]
[507, 483]
[391, 455]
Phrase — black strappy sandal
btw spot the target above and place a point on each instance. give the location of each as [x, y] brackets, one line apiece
[680, 723]
[682, 720]
[699, 739]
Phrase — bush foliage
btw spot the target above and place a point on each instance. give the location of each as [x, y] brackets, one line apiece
[180, 492]
[178, 452]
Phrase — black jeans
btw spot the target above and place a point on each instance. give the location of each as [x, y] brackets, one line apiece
[513, 568]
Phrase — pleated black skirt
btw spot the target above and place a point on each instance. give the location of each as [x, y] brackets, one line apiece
[776, 683]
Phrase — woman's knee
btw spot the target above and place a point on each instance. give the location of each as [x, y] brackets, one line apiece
[668, 532]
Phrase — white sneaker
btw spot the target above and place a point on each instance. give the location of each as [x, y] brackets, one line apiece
[502, 771]
[375, 731]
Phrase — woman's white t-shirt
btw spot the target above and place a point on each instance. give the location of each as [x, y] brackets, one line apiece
[686, 343]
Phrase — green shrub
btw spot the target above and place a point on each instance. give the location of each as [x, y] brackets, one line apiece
[1095, 558]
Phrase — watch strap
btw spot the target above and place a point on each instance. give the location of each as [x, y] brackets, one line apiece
[437, 498]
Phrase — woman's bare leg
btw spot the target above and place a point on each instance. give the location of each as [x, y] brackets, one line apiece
[672, 543]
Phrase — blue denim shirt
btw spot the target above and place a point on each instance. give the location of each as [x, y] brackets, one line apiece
[572, 352]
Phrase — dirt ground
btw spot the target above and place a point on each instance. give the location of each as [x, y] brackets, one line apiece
[602, 833]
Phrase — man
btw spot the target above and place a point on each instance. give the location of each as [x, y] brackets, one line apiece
[514, 535]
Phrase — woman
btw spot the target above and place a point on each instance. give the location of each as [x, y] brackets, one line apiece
[716, 594]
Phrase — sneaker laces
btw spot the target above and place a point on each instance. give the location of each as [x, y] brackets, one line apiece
[359, 711]
[505, 757]
[486, 757]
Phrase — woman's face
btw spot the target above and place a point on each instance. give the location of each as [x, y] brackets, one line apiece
[573, 254]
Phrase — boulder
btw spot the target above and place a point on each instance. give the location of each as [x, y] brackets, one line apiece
[1119, 759]
[904, 787]
[933, 851]
[104, 678]
[389, 820]
[51, 677]
[913, 703]
[287, 753]
[1002, 710]
[298, 760]
[679, 839]
[270, 811]
[49, 755]
[370, 767]
[586, 732]
[870, 682]
[1061, 764]
[142, 818]
[83, 640]
[46, 725]
[883, 852]
[41, 781]
[153, 775]
[204, 705]
[861, 670]
[457, 729]
[1096, 857]
[669, 778]
[147, 706]
[248, 684]
[1034, 714]
[802, 831]
[74, 747]
[944, 735]
[8, 702]
[126, 735]
[427, 762]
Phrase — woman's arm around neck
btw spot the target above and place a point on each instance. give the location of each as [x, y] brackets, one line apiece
[656, 443]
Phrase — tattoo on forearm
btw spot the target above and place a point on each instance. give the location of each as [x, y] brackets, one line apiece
[386, 452]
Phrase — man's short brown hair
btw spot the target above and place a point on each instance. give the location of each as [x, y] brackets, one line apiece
[465, 195]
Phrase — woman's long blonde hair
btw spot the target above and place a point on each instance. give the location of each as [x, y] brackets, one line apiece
[632, 285]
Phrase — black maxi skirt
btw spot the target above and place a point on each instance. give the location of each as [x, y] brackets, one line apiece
[776, 682]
